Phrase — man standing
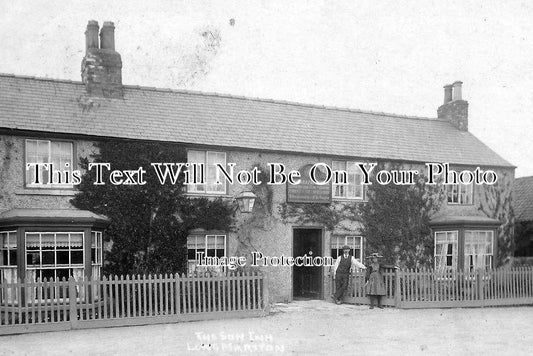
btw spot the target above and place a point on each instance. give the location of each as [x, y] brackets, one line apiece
[341, 272]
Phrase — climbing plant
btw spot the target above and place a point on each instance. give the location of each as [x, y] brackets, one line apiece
[149, 222]
[396, 219]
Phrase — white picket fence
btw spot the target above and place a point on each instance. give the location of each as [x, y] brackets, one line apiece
[31, 306]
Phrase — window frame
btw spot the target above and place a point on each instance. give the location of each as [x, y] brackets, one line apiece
[334, 186]
[38, 268]
[463, 228]
[193, 262]
[450, 188]
[454, 255]
[192, 188]
[73, 164]
[339, 244]
[469, 264]
[9, 265]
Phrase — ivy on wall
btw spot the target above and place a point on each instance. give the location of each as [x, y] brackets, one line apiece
[496, 203]
[328, 215]
[261, 218]
[150, 222]
[394, 220]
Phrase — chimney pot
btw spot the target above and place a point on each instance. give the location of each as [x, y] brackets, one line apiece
[454, 109]
[457, 90]
[91, 35]
[101, 68]
[107, 36]
[447, 93]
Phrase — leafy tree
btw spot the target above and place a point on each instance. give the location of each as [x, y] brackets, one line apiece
[396, 221]
[149, 222]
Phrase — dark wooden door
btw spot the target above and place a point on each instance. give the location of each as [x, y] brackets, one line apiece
[307, 280]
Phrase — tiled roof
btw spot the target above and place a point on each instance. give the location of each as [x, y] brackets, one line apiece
[52, 215]
[523, 198]
[221, 120]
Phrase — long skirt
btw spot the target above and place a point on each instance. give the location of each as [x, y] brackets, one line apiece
[375, 284]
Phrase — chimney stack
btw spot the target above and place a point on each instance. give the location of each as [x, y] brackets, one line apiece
[91, 35]
[457, 88]
[101, 68]
[107, 36]
[447, 93]
[454, 109]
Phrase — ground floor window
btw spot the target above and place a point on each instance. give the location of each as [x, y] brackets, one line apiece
[54, 255]
[355, 243]
[8, 255]
[478, 249]
[96, 253]
[466, 249]
[446, 243]
[210, 245]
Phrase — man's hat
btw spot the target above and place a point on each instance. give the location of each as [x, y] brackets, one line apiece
[375, 254]
[346, 247]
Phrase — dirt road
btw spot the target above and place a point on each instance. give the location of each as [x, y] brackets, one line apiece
[304, 328]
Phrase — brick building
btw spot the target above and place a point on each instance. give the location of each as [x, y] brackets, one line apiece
[45, 120]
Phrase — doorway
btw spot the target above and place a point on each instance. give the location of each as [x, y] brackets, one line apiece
[307, 280]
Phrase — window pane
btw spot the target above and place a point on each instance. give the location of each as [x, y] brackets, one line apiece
[48, 273]
[211, 241]
[76, 240]
[62, 273]
[221, 239]
[32, 240]
[335, 243]
[199, 158]
[33, 259]
[48, 241]
[339, 190]
[338, 166]
[212, 159]
[37, 151]
[62, 240]
[77, 257]
[48, 257]
[191, 254]
[12, 258]
[62, 257]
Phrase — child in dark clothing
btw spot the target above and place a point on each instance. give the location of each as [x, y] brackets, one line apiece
[375, 284]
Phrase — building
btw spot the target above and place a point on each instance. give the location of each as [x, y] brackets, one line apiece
[44, 120]
[523, 208]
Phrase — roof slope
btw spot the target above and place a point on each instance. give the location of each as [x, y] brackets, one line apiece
[189, 117]
[523, 200]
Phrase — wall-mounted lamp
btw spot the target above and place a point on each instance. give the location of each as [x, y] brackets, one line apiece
[246, 201]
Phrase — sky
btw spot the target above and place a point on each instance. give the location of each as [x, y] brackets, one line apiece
[385, 56]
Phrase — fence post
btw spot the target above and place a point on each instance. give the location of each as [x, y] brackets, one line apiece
[177, 293]
[266, 298]
[73, 310]
[481, 287]
[397, 296]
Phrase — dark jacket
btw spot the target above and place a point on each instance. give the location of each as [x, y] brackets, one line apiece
[382, 268]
